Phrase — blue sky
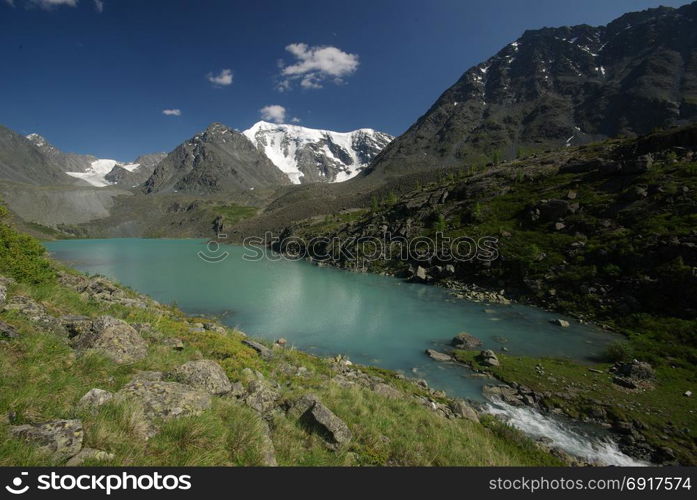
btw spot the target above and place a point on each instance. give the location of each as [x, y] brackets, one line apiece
[95, 76]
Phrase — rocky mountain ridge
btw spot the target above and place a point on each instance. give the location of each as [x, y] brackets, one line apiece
[311, 155]
[555, 87]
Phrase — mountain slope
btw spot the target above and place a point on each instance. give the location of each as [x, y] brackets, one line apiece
[21, 161]
[67, 162]
[215, 160]
[310, 155]
[559, 86]
[122, 176]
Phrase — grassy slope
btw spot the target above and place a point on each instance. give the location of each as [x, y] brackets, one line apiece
[43, 379]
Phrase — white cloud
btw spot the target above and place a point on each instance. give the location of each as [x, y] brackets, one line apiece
[273, 113]
[222, 79]
[316, 65]
[295, 119]
[172, 112]
[99, 6]
[49, 4]
[11, 3]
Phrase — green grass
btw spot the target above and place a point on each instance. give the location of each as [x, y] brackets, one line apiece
[233, 213]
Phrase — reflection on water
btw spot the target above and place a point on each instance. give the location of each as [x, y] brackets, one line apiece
[372, 319]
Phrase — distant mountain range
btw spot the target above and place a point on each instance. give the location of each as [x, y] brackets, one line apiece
[560, 86]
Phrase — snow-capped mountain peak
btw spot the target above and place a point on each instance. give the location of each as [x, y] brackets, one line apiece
[312, 155]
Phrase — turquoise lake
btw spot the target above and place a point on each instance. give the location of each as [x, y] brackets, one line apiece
[372, 319]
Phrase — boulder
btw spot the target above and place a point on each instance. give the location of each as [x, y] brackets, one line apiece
[164, 400]
[261, 397]
[61, 438]
[386, 391]
[461, 409]
[320, 419]
[89, 454]
[438, 356]
[503, 393]
[8, 331]
[488, 358]
[637, 370]
[114, 338]
[204, 374]
[465, 341]
[263, 351]
[94, 399]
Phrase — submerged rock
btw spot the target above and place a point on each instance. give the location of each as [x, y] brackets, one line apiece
[438, 356]
[204, 374]
[61, 438]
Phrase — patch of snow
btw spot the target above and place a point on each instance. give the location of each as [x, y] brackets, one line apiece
[281, 142]
[96, 172]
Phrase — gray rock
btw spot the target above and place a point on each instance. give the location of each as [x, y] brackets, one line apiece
[261, 397]
[421, 274]
[322, 420]
[465, 341]
[637, 370]
[8, 331]
[164, 400]
[35, 312]
[462, 410]
[114, 338]
[61, 438]
[268, 451]
[503, 393]
[387, 391]
[438, 356]
[263, 351]
[204, 374]
[687, 394]
[89, 454]
[488, 358]
[94, 399]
